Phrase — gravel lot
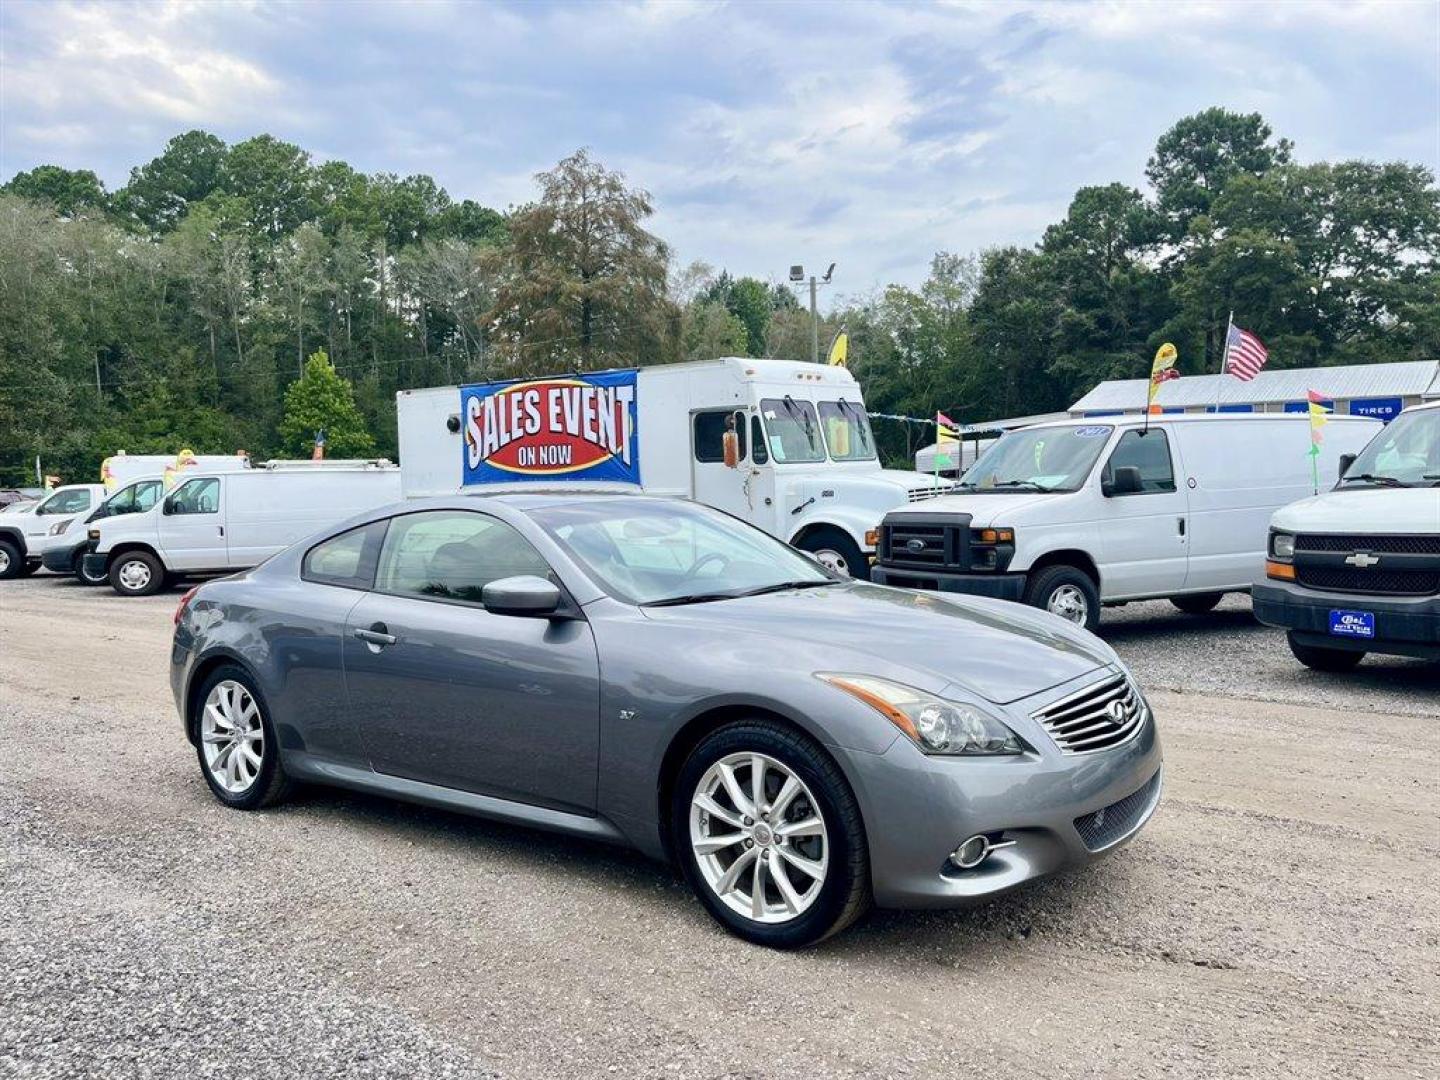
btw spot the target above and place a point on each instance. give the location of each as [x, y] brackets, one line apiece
[1279, 917]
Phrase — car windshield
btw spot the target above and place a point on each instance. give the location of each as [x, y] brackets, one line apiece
[1039, 459]
[658, 551]
[792, 432]
[1407, 452]
[847, 431]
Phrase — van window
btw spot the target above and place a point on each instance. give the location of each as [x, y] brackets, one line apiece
[133, 499]
[792, 429]
[65, 502]
[847, 431]
[198, 496]
[453, 555]
[759, 455]
[710, 428]
[1148, 451]
[348, 559]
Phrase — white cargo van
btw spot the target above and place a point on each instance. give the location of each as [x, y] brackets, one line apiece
[64, 553]
[1071, 515]
[1357, 569]
[23, 537]
[216, 523]
[786, 446]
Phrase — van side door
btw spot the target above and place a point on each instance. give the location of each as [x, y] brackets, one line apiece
[1144, 533]
[192, 525]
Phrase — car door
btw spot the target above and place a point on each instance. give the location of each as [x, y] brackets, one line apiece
[744, 490]
[1144, 533]
[192, 525]
[448, 693]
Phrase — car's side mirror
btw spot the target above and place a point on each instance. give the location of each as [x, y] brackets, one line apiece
[523, 595]
[1126, 481]
[1346, 460]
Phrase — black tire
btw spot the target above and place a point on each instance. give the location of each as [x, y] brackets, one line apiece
[1197, 603]
[837, 551]
[270, 785]
[1043, 586]
[845, 892]
[153, 583]
[12, 563]
[1319, 658]
[80, 574]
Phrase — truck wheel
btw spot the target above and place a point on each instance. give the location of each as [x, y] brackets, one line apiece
[12, 563]
[84, 578]
[1068, 592]
[1197, 603]
[136, 573]
[836, 551]
[1319, 658]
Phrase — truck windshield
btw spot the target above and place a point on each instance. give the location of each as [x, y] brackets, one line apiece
[1405, 453]
[663, 552]
[847, 431]
[792, 432]
[1039, 459]
[133, 499]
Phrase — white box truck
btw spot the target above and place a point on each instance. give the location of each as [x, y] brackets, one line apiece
[1074, 514]
[220, 522]
[786, 446]
[1356, 570]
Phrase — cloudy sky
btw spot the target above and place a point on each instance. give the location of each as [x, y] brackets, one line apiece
[867, 134]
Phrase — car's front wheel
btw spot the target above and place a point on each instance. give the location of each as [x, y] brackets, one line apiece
[239, 754]
[1319, 658]
[770, 835]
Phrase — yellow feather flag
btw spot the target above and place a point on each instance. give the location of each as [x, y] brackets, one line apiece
[1162, 370]
[839, 350]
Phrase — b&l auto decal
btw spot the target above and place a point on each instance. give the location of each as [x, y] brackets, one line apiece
[581, 427]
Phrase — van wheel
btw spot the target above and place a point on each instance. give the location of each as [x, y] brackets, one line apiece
[770, 836]
[136, 573]
[834, 550]
[12, 563]
[1068, 592]
[1319, 658]
[88, 579]
[1197, 603]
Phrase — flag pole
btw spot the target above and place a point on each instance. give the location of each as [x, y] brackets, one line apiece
[1224, 356]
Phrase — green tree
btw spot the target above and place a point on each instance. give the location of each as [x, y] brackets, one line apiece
[69, 191]
[321, 400]
[160, 192]
[276, 183]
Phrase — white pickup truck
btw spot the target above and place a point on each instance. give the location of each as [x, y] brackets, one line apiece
[23, 537]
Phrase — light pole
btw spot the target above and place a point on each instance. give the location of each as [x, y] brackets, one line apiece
[797, 276]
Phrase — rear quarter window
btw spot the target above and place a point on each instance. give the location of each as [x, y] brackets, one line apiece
[348, 560]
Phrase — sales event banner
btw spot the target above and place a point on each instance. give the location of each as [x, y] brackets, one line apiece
[579, 427]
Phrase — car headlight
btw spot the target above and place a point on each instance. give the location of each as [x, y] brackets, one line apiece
[59, 527]
[1282, 545]
[935, 725]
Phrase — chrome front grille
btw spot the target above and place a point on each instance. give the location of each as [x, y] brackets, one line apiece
[1102, 715]
[930, 491]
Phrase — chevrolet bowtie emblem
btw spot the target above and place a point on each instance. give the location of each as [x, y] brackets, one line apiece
[1360, 560]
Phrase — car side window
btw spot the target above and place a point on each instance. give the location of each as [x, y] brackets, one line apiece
[198, 496]
[710, 428]
[347, 560]
[1148, 451]
[67, 502]
[453, 555]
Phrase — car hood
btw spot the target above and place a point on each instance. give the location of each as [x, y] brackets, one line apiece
[998, 508]
[991, 649]
[1364, 510]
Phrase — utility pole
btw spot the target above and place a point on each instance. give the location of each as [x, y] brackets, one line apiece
[797, 276]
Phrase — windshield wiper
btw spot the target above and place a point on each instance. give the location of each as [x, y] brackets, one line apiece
[794, 410]
[783, 585]
[860, 425]
[691, 598]
[1030, 484]
[1383, 481]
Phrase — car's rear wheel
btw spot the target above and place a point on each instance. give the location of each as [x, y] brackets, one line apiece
[1319, 658]
[136, 573]
[12, 563]
[235, 741]
[1197, 603]
[769, 835]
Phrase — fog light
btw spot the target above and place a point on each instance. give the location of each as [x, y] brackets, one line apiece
[971, 853]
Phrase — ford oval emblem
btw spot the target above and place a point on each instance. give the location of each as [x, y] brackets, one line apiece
[915, 545]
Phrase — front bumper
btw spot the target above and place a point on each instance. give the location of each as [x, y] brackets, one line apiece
[1404, 625]
[62, 559]
[998, 586]
[918, 808]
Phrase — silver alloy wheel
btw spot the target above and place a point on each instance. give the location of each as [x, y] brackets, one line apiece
[232, 737]
[134, 575]
[759, 838]
[832, 560]
[1069, 602]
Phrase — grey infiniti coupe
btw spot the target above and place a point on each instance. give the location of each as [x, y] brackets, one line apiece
[650, 672]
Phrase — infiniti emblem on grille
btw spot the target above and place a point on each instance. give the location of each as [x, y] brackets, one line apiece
[1361, 560]
[1116, 710]
[915, 545]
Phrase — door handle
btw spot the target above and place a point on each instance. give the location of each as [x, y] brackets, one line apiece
[375, 634]
[221, 528]
[1182, 525]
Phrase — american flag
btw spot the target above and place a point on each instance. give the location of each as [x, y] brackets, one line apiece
[1245, 354]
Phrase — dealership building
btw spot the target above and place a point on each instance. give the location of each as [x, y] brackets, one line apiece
[1378, 390]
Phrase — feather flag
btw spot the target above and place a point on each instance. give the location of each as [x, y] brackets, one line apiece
[839, 349]
[947, 433]
[1161, 371]
[1319, 413]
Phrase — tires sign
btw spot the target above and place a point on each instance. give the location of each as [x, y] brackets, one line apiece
[577, 427]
